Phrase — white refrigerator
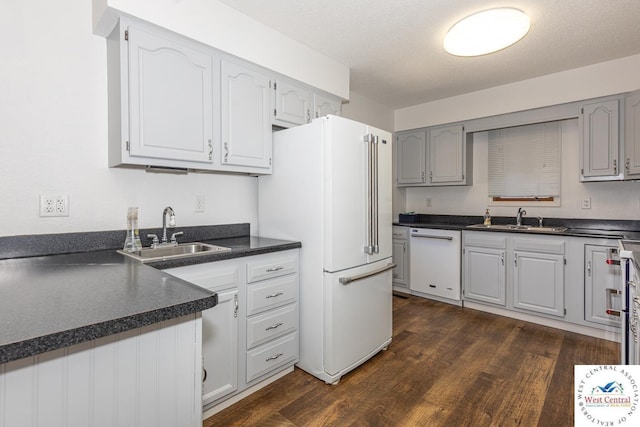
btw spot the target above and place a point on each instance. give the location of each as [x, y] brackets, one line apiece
[331, 190]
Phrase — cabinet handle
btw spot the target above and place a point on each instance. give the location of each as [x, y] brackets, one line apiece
[502, 259]
[277, 294]
[422, 176]
[404, 247]
[627, 165]
[235, 310]
[615, 167]
[610, 293]
[515, 262]
[274, 357]
[204, 374]
[226, 152]
[272, 269]
[308, 115]
[430, 176]
[210, 150]
[589, 268]
[274, 326]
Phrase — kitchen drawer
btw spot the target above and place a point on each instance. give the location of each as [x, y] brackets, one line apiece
[214, 276]
[272, 355]
[270, 325]
[484, 239]
[275, 266]
[401, 233]
[270, 294]
[543, 244]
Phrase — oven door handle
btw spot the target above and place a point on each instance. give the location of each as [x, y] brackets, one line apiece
[347, 280]
[610, 293]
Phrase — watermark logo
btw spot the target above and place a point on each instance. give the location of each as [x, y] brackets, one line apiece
[607, 395]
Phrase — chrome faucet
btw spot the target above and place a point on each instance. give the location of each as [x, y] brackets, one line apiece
[172, 223]
[519, 215]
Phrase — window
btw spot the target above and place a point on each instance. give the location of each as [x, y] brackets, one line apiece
[524, 163]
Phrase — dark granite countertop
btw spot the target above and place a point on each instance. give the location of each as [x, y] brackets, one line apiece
[597, 228]
[50, 298]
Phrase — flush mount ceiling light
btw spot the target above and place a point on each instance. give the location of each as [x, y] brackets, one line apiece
[486, 32]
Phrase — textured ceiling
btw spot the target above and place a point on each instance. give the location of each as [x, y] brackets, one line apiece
[394, 47]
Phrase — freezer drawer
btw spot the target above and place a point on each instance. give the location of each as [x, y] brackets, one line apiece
[357, 316]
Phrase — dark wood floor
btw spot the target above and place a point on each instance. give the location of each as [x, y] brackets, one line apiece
[446, 366]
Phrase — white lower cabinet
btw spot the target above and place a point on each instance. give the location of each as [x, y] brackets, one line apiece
[401, 258]
[560, 278]
[252, 333]
[600, 286]
[538, 282]
[220, 347]
[485, 274]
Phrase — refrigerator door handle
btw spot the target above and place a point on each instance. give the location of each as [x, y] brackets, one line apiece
[376, 242]
[369, 247]
[347, 280]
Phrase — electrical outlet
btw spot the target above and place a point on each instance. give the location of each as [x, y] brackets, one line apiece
[54, 205]
[586, 203]
[199, 206]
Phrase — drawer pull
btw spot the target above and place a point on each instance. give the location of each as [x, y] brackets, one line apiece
[277, 325]
[272, 269]
[274, 357]
[277, 294]
[609, 309]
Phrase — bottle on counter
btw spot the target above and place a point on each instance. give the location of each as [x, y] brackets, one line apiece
[132, 242]
[487, 217]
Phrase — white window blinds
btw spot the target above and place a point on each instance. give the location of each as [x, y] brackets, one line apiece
[524, 161]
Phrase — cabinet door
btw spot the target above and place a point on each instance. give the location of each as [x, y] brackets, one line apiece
[400, 258]
[410, 153]
[538, 282]
[220, 347]
[170, 99]
[446, 155]
[246, 123]
[632, 134]
[323, 106]
[292, 104]
[485, 275]
[600, 122]
[598, 277]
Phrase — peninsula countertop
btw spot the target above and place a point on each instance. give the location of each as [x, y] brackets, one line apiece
[54, 301]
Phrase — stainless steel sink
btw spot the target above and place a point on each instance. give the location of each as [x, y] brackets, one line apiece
[534, 229]
[183, 250]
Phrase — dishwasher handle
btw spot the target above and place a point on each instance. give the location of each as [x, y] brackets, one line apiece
[427, 236]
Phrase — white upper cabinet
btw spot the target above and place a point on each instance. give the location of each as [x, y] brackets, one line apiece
[246, 123]
[163, 99]
[632, 135]
[410, 155]
[599, 130]
[437, 156]
[324, 105]
[446, 155]
[292, 104]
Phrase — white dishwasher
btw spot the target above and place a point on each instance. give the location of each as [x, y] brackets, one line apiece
[435, 264]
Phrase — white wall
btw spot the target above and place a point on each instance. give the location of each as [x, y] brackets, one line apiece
[609, 200]
[53, 135]
[606, 78]
[220, 26]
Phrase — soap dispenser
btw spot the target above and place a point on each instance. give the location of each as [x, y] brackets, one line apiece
[132, 242]
[487, 217]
